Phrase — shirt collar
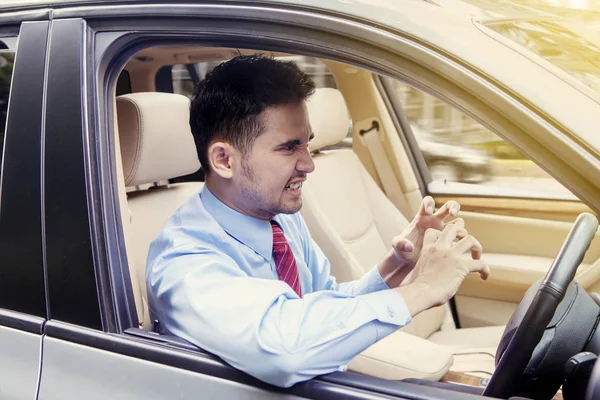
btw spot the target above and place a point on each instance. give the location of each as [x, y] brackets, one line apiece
[254, 232]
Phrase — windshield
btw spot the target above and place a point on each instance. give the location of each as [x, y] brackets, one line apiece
[557, 44]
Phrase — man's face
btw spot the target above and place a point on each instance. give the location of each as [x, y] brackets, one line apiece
[273, 170]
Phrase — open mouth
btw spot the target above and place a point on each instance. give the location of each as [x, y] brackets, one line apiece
[293, 186]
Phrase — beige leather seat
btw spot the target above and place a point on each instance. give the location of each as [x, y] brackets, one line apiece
[156, 144]
[353, 222]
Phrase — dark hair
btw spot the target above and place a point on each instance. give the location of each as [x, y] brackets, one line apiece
[228, 103]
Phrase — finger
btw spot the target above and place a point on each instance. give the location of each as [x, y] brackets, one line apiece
[469, 243]
[402, 245]
[459, 222]
[431, 237]
[450, 208]
[427, 206]
[481, 267]
[450, 233]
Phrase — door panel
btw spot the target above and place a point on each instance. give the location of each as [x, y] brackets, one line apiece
[471, 314]
[519, 252]
[522, 236]
[20, 355]
[553, 210]
[74, 371]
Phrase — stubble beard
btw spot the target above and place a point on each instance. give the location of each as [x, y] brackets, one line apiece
[251, 191]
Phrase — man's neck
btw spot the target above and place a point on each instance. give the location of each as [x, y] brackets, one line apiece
[222, 191]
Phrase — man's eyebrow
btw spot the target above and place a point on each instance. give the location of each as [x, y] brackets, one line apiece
[295, 142]
[291, 143]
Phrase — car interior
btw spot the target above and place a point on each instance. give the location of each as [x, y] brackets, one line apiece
[357, 199]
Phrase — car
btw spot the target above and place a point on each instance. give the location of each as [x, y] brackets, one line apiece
[453, 163]
[84, 189]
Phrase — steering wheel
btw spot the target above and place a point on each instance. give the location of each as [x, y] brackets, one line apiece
[535, 313]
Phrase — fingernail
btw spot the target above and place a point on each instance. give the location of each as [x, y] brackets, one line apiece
[430, 209]
[454, 211]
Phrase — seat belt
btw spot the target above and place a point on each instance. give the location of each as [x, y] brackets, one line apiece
[384, 167]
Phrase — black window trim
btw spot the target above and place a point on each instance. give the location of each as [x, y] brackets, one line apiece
[21, 191]
[76, 292]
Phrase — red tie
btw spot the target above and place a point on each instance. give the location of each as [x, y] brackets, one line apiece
[284, 259]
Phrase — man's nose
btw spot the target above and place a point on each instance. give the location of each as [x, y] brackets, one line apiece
[305, 163]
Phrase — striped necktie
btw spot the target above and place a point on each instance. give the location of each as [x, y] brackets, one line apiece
[284, 259]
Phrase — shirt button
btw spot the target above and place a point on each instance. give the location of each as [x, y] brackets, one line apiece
[390, 311]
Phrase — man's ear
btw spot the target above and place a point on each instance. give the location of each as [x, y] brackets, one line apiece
[219, 158]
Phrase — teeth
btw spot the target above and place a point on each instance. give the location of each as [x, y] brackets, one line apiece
[294, 186]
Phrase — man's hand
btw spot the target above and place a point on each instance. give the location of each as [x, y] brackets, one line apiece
[442, 268]
[406, 247]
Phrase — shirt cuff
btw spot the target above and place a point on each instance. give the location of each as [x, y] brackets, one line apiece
[370, 282]
[389, 308]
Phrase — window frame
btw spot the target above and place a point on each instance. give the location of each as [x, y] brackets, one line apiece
[119, 38]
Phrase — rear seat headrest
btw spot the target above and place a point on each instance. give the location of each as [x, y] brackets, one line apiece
[328, 116]
[156, 140]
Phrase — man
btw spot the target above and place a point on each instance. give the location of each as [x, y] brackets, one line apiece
[235, 270]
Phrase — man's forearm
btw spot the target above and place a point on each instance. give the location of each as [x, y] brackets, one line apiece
[415, 298]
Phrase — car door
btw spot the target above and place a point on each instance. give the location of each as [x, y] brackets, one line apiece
[22, 286]
[93, 345]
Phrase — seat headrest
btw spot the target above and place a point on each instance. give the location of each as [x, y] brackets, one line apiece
[156, 140]
[328, 116]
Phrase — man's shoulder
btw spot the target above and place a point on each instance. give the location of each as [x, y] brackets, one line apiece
[192, 225]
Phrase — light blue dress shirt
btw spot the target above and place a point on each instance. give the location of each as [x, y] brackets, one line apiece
[212, 280]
